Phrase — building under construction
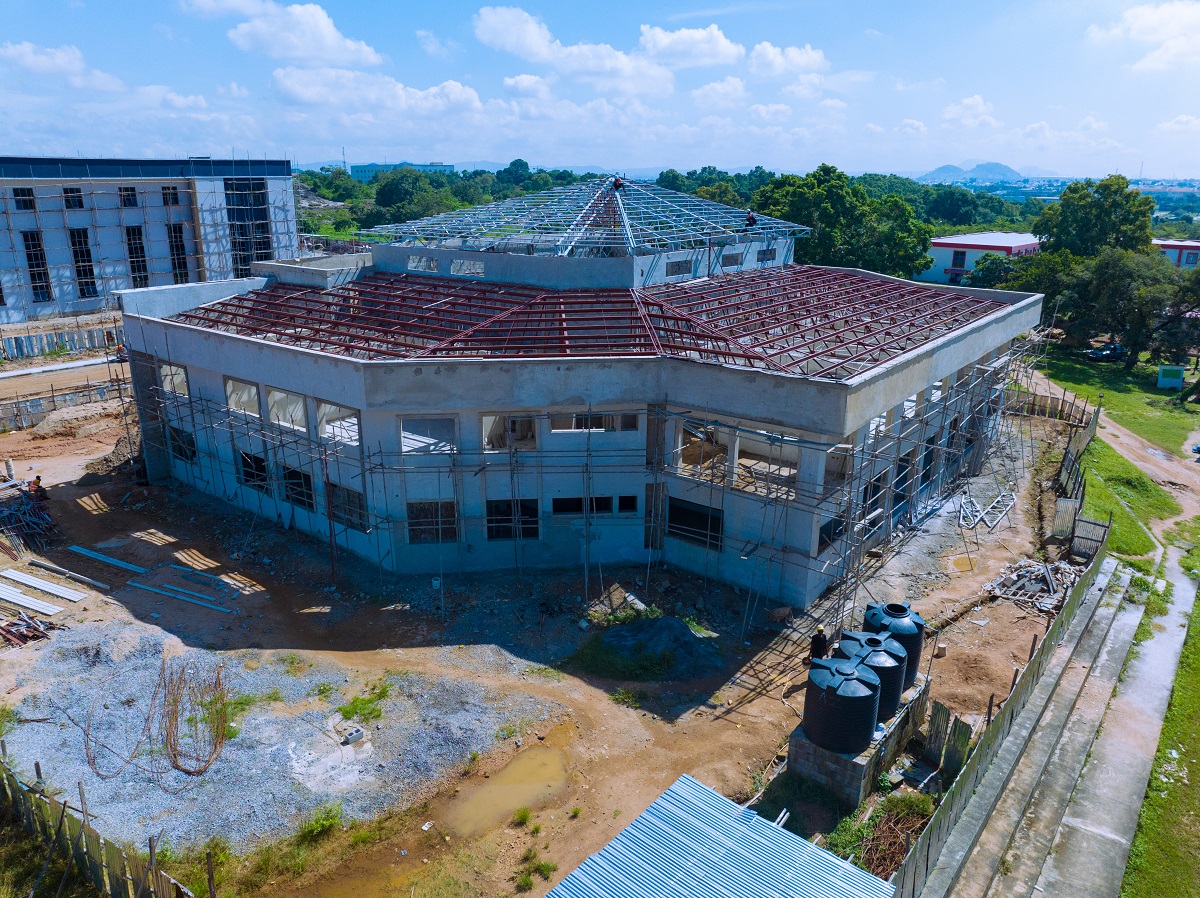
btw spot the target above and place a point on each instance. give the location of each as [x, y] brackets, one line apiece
[604, 373]
[74, 231]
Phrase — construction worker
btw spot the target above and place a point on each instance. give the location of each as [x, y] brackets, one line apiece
[36, 488]
[819, 645]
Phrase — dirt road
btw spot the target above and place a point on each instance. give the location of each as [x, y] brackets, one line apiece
[32, 382]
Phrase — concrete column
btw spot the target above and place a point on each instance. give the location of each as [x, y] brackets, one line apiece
[731, 458]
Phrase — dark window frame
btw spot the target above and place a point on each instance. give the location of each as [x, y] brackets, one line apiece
[72, 197]
[135, 250]
[347, 506]
[694, 523]
[128, 196]
[85, 266]
[178, 247]
[432, 522]
[502, 525]
[182, 443]
[170, 195]
[298, 487]
[24, 199]
[254, 472]
[39, 269]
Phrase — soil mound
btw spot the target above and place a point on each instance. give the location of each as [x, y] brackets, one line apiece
[662, 648]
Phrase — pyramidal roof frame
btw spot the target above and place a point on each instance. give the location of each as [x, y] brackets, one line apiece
[601, 217]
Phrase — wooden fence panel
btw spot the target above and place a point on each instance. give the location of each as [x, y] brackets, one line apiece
[939, 722]
[93, 847]
[118, 874]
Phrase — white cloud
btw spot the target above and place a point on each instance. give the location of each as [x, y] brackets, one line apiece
[1182, 122]
[515, 31]
[771, 112]
[529, 86]
[724, 94]
[1091, 123]
[874, 128]
[302, 31]
[688, 47]
[767, 59]
[1172, 29]
[833, 103]
[232, 89]
[1044, 136]
[64, 62]
[178, 101]
[434, 45]
[971, 112]
[911, 126]
[902, 85]
[337, 87]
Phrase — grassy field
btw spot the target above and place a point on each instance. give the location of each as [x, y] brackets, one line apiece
[21, 859]
[1116, 485]
[1132, 399]
[1165, 859]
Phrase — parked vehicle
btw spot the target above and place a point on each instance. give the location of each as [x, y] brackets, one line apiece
[1113, 352]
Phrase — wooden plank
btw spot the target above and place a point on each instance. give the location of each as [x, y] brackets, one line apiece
[939, 721]
[63, 592]
[94, 847]
[956, 748]
[118, 877]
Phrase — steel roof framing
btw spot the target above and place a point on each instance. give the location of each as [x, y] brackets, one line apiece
[796, 319]
[591, 218]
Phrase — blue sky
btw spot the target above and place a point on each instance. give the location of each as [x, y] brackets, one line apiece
[1080, 88]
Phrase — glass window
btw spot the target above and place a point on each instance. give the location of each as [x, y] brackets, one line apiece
[24, 199]
[173, 379]
[128, 196]
[337, 423]
[73, 197]
[427, 435]
[39, 271]
[81, 255]
[432, 522]
[242, 396]
[170, 196]
[135, 246]
[288, 409]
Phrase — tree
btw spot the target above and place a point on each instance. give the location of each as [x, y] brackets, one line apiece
[721, 192]
[1092, 215]
[848, 227]
[992, 270]
[516, 173]
[400, 187]
[954, 205]
[673, 180]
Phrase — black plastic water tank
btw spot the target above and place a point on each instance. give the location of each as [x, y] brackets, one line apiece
[905, 626]
[886, 657]
[841, 705]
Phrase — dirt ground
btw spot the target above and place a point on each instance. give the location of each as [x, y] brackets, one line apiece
[616, 759]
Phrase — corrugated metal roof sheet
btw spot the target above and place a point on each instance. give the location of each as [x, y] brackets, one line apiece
[694, 843]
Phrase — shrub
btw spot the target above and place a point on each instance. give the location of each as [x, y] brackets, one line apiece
[521, 816]
[575, 812]
[524, 882]
[321, 823]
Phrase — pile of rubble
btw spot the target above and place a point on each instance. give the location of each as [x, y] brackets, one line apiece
[1035, 585]
[23, 629]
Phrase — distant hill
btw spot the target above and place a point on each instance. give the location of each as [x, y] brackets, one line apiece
[987, 172]
[943, 174]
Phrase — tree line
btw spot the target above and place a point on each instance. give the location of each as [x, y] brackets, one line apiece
[1101, 275]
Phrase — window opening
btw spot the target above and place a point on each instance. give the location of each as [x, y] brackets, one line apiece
[503, 524]
[427, 435]
[39, 271]
[179, 261]
[347, 506]
[695, 523]
[135, 246]
[242, 396]
[81, 255]
[287, 409]
[433, 522]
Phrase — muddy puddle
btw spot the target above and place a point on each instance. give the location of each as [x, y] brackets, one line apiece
[533, 778]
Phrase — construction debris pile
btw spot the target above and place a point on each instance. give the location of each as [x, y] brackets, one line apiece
[23, 629]
[25, 522]
[1035, 585]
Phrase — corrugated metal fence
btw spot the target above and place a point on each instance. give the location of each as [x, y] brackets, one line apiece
[102, 863]
[23, 346]
[910, 879]
[28, 411]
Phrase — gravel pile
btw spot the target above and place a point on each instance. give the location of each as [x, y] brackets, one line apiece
[286, 759]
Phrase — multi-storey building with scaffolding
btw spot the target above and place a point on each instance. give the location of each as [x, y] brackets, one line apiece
[73, 231]
[608, 372]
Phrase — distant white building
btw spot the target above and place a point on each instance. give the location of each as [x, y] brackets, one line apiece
[955, 256]
[74, 231]
[1180, 253]
[366, 172]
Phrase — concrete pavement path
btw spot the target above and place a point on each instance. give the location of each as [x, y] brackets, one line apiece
[1092, 844]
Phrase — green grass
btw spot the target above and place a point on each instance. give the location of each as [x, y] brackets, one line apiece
[1164, 861]
[294, 664]
[1128, 537]
[546, 673]
[1132, 399]
[628, 698]
[521, 816]
[321, 823]
[1146, 499]
[575, 812]
[597, 658]
[367, 707]
[21, 859]
[324, 691]
[1185, 534]
[8, 720]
